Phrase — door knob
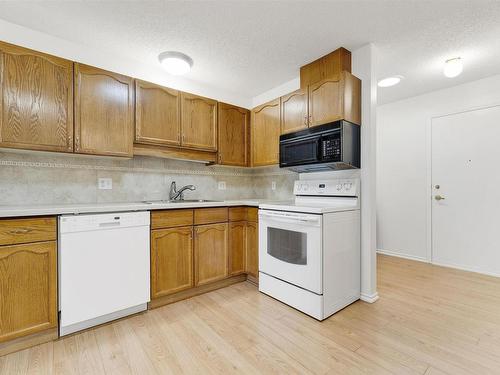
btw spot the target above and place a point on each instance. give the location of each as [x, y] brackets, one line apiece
[438, 197]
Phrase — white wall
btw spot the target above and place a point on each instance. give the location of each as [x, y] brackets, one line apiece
[403, 188]
[22, 36]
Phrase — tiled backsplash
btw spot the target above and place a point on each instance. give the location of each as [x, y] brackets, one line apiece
[39, 178]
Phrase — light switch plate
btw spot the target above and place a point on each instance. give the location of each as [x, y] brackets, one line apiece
[221, 185]
[273, 185]
[105, 183]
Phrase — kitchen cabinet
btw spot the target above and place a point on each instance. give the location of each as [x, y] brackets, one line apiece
[294, 116]
[198, 122]
[104, 107]
[335, 99]
[210, 253]
[171, 218]
[210, 215]
[265, 132]
[157, 114]
[252, 249]
[233, 125]
[171, 260]
[328, 66]
[237, 247]
[36, 100]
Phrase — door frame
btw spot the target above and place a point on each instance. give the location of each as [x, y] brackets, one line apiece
[428, 146]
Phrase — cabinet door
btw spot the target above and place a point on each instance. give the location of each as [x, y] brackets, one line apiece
[36, 100]
[294, 111]
[157, 114]
[325, 102]
[237, 247]
[233, 133]
[171, 260]
[199, 122]
[28, 289]
[103, 112]
[252, 250]
[210, 253]
[265, 131]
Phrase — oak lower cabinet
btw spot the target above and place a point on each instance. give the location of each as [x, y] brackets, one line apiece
[198, 122]
[265, 133]
[210, 253]
[104, 112]
[171, 260]
[237, 247]
[233, 123]
[36, 100]
[252, 250]
[28, 282]
[157, 114]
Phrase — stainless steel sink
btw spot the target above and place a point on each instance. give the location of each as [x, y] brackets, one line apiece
[180, 201]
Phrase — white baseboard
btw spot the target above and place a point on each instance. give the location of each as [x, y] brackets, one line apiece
[465, 268]
[402, 255]
[370, 298]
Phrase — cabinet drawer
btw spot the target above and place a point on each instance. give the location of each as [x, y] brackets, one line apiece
[171, 218]
[237, 213]
[210, 215]
[253, 214]
[16, 231]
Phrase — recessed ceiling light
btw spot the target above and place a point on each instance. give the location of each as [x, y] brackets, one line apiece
[175, 63]
[389, 81]
[453, 67]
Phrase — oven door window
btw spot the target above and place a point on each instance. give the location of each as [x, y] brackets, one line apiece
[287, 246]
[303, 151]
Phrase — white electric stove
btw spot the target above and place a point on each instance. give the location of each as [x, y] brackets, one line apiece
[309, 248]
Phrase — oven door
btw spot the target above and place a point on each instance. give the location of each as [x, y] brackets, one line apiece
[290, 248]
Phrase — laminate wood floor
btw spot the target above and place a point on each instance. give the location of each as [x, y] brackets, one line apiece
[429, 320]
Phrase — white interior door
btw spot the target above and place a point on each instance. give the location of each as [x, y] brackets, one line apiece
[466, 190]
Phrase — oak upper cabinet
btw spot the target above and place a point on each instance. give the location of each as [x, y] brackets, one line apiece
[265, 132]
[157, 114]
[171, 260]
[335, 99]
[198, 122]
[210, 253]
[28, 285]
[36, 100]
[233, 125]
[294, 116]
[252, 249]
[237, 247]
[104, 108]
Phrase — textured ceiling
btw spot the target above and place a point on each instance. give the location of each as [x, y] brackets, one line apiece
[251, 47]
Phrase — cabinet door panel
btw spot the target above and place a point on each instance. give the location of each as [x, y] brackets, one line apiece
[199, 122]
[252, 250]
[233, 130]
[210, 253]
[103, 112]
[28, 289]
[237, 247]
[325, 102]
[157, 113]
[294, 112]
[265, 133]
[171, 261]
[36, 100]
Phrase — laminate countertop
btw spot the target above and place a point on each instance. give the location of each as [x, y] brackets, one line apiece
[90, 208]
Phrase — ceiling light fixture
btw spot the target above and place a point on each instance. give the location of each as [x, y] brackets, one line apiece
[389, 81]
[453, 67]
[175, 63]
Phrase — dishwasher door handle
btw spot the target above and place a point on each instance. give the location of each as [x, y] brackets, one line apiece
[109, 224]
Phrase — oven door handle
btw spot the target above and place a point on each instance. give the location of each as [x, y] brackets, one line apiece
[290, 218]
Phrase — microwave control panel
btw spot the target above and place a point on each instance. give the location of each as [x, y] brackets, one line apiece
[331, 148]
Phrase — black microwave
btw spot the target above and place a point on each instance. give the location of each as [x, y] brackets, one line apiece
[322, 148]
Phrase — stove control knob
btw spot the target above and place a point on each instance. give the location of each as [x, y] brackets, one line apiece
[339, 187]
[305, 187]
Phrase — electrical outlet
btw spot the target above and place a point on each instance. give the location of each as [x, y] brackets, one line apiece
[273, 185]
[105, 183]
[222, 185]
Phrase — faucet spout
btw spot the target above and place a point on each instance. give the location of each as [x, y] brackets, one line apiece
[175, 194]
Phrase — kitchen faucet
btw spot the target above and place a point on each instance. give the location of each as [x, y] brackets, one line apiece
[178, 195]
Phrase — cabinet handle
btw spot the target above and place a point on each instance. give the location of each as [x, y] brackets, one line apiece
[77, 143]
[20, 231]
[70, 142]
[305, 120]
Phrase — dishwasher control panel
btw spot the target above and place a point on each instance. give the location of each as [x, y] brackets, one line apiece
[79, 223]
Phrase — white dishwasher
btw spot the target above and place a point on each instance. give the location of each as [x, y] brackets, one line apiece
[103, 268]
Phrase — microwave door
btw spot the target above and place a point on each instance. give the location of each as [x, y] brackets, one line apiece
[299, 151]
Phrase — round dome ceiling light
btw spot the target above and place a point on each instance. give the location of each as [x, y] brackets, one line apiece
[453, 67]
[175, 63]
[389, 81]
